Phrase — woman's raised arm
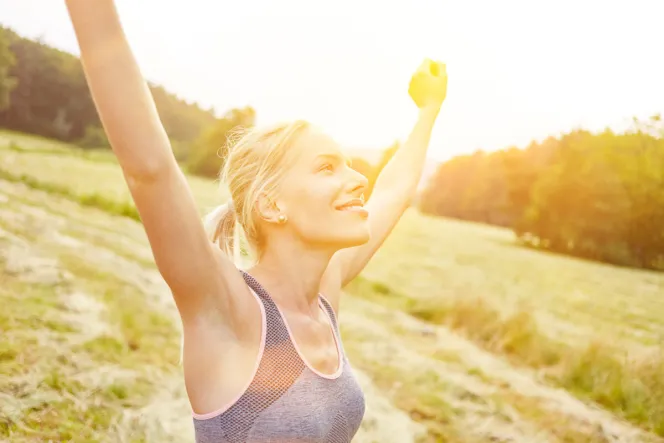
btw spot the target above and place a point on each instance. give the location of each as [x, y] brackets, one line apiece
[197, 272]
[397, 183]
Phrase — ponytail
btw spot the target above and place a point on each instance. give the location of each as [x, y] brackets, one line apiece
[223, 229]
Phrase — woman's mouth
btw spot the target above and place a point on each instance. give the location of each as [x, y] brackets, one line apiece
[355, 205]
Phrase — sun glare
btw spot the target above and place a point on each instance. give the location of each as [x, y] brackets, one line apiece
[518, 70]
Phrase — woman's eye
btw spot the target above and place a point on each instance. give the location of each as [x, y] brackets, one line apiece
[327, 167]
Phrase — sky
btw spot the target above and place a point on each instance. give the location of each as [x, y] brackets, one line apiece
[519, 70]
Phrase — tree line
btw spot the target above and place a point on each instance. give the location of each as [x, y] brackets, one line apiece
[599, 196]
[592, 195]
[43, 91]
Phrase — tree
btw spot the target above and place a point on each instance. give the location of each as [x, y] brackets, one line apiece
[7, 61]
[49, 96]
[593, 195]
[208, 152]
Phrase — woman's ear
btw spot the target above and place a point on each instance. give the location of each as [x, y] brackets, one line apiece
[268, 209]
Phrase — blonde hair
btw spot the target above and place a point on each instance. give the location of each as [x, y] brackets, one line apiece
[256, 160]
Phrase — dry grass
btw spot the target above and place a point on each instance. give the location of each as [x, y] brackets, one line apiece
[84, 351]
[598, 370]
[92, 338]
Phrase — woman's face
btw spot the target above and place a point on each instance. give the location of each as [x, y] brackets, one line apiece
[322, 196]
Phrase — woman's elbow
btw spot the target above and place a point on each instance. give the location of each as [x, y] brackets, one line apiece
[149, 171]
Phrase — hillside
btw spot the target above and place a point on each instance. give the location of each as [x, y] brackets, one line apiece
[457, 334]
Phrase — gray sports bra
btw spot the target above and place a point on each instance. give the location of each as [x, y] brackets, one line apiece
[286, 400]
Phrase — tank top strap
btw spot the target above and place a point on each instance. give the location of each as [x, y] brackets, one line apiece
[335, 323]
[330, 311]
[255, 286]
[276, 331]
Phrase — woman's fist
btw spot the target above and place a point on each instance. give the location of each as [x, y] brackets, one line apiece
[428, 86]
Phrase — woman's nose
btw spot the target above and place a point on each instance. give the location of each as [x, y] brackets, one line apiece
[359, 183]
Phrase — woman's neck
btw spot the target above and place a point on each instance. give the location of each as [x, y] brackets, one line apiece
[292, 275]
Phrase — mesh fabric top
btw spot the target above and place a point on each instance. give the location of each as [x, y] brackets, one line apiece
[287, 401]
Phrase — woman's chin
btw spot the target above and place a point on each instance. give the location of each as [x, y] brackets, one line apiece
[357, 237]
[341, 235]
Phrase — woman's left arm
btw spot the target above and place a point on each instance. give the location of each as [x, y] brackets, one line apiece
[397, 183]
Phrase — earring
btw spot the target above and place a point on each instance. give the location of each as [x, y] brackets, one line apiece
[281, 219]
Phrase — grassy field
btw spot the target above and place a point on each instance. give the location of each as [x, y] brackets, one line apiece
[457, 333]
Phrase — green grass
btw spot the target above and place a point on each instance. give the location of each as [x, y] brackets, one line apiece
[65, 171]
[440, 385]
[592, 329]
[64, 378]
[600, 370]
[39, 370]
[20, 141]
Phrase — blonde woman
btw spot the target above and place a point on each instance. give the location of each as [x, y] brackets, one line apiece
[263, 358]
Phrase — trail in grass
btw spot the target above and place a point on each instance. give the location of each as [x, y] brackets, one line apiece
[487, 398]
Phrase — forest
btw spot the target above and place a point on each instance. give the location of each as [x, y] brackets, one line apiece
[598, 196]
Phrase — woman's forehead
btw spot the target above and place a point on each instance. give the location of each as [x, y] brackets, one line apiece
[315, 143]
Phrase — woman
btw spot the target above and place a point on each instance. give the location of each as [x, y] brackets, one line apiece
[263, 359]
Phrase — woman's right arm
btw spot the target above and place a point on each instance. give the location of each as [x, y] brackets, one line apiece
[200, 276]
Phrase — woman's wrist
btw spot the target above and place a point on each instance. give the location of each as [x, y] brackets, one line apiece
[430, 111]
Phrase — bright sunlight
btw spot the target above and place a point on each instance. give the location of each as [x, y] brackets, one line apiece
[520, 70]
[518, 295]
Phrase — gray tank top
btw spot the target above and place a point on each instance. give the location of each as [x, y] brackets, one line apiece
[286, 400]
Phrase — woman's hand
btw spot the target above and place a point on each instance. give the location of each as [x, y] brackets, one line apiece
[428, 86]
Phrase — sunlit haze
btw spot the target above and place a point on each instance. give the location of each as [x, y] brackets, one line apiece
[518, 70]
